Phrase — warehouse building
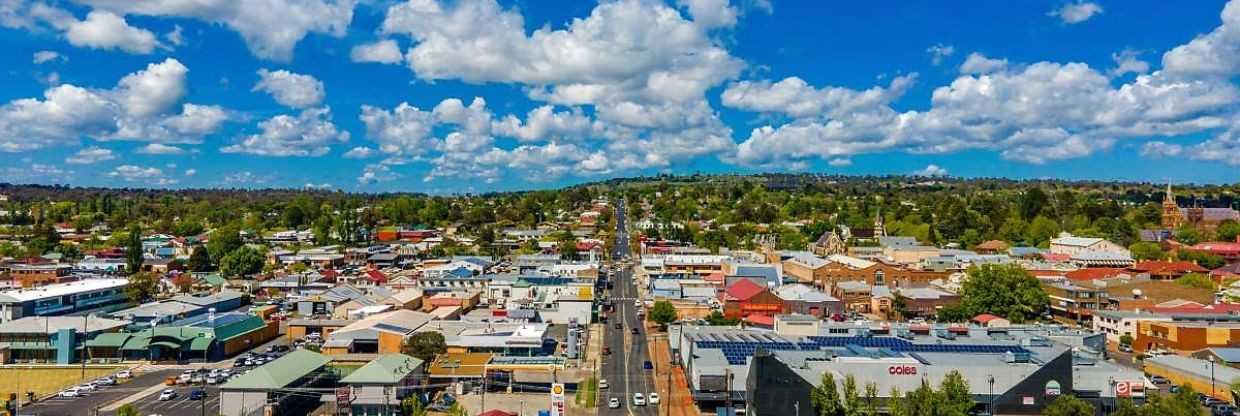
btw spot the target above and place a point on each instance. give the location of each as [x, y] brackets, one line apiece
[1210, 377]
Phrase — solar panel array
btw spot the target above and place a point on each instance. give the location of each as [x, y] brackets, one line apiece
[737, 348]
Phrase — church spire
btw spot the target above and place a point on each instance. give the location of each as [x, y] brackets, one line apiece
[1168, 197]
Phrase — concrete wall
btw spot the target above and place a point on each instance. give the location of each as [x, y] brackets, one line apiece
[242, 403]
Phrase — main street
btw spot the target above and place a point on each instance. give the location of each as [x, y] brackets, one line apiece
[623, 369]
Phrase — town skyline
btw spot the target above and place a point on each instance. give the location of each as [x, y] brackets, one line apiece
[368, 97]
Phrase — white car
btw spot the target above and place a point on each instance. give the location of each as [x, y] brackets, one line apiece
[124, 374]
[213, 379]
[638, 399]
[654, 398]
[613, 403]
[87, 387]
[71, 392]
[167, 394]
[602, 383]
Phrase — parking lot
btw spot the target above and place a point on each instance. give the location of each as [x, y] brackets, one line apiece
[86, 404]
[181, 404]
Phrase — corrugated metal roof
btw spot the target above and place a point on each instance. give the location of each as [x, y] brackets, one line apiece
[279, 373]
[387, 369]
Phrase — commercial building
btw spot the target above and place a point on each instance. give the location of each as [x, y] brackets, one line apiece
[31, 275]
[1014, 370]
[744, 298]
[1190, 336]
[508, 339]
[50, 339]
[383, 333]
[267, 386]
[210, 336]
[382, 383]
[61, 298]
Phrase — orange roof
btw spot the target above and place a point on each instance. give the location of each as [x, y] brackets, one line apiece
[984, 318]
[714, 277]
[1092, 273]
[992, 245]
[1168, 267]
[761, 319]
[743, 289]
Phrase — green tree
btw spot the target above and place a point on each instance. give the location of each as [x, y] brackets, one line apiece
[1147, 251]
[852, 398]
[127, 410]
[716, 318]
[924, 400]
[1041, 230]
[663, 313]
[1203, 259]
[133, 250]
[1227, 230]
[200, 260]
[825, 397]
[956, 397]
[412, 406]
[1125, 339]
[1069, 405]
[223, 241]
[1188, 235]
[142, 286]
[242, 262]
[425, 346]
[869, 405]
[1032, 203]
[1196, 280]
[896, 404]
[1006, 290]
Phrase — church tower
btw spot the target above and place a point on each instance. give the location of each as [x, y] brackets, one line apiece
[1172, 217]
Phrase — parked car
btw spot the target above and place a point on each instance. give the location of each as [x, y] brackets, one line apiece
[213, 379]
[1211, 402]
[1159, 380]
[170, 381]
[618, 325]
[606, 350]
[602, 383]
[654, 398]
[167, 394]
[1223, 410]
[613, 403]
[648, 365]
[637, 331]
[70, 392]
[638, 399]
[197, 394]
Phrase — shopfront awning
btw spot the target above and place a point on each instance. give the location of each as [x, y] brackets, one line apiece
[108, 340]
[137, 343]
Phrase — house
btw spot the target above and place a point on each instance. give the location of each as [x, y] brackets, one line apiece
[1074, 302]
[990, 321]
[918, 301]
[1228, 250]
[992, 247]
[1167, 270]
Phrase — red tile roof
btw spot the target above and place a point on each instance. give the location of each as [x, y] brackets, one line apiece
[1056, 257]
[743, 289]
[1092, 273]
[715, 277]
[1218, 247]
[761, 319]
[376, 276]
[1218, 308]
[1168, 267]
[984, 318]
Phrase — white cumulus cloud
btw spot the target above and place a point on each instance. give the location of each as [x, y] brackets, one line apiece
[1077, 12]
[291, 89]
[91, 155]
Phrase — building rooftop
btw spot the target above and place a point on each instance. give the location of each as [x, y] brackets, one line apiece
[50, 324]
[387, 369]
[61, 289]
[279, 373]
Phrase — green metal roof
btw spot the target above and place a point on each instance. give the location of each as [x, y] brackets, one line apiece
[201, 343]
[387, 369]
[239, 328]
[138, 342]
[213, 279]
[109, 340]
[166, 344]
[279, 373]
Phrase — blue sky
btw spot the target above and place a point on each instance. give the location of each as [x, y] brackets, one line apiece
[476, 95]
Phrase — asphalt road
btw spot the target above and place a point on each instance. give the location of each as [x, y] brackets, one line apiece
[181, 405]
[85, 406]
[623, 369]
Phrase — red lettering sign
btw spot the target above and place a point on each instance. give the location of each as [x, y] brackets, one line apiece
[902, 370]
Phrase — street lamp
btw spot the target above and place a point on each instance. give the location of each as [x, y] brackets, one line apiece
[990, 407]
[1211, 359]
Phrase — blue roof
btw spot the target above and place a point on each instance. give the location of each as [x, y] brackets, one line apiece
[1228, 355]
[461, 272]
[766, 272]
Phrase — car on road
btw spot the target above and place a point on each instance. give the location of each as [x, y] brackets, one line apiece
[1211, 402]
[1125, 348]
[240, 362]
[1159, 380]
[88, 387]
[618, 325]
[167, 394]
[106, 381]
[654, 398]
[606, 350]
[197, 394]
[648, 365]
[613, 403]
[1223, 410]
[638, 399]
[602, 383]
[71, 392]
[124, 374]
[637, 331]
